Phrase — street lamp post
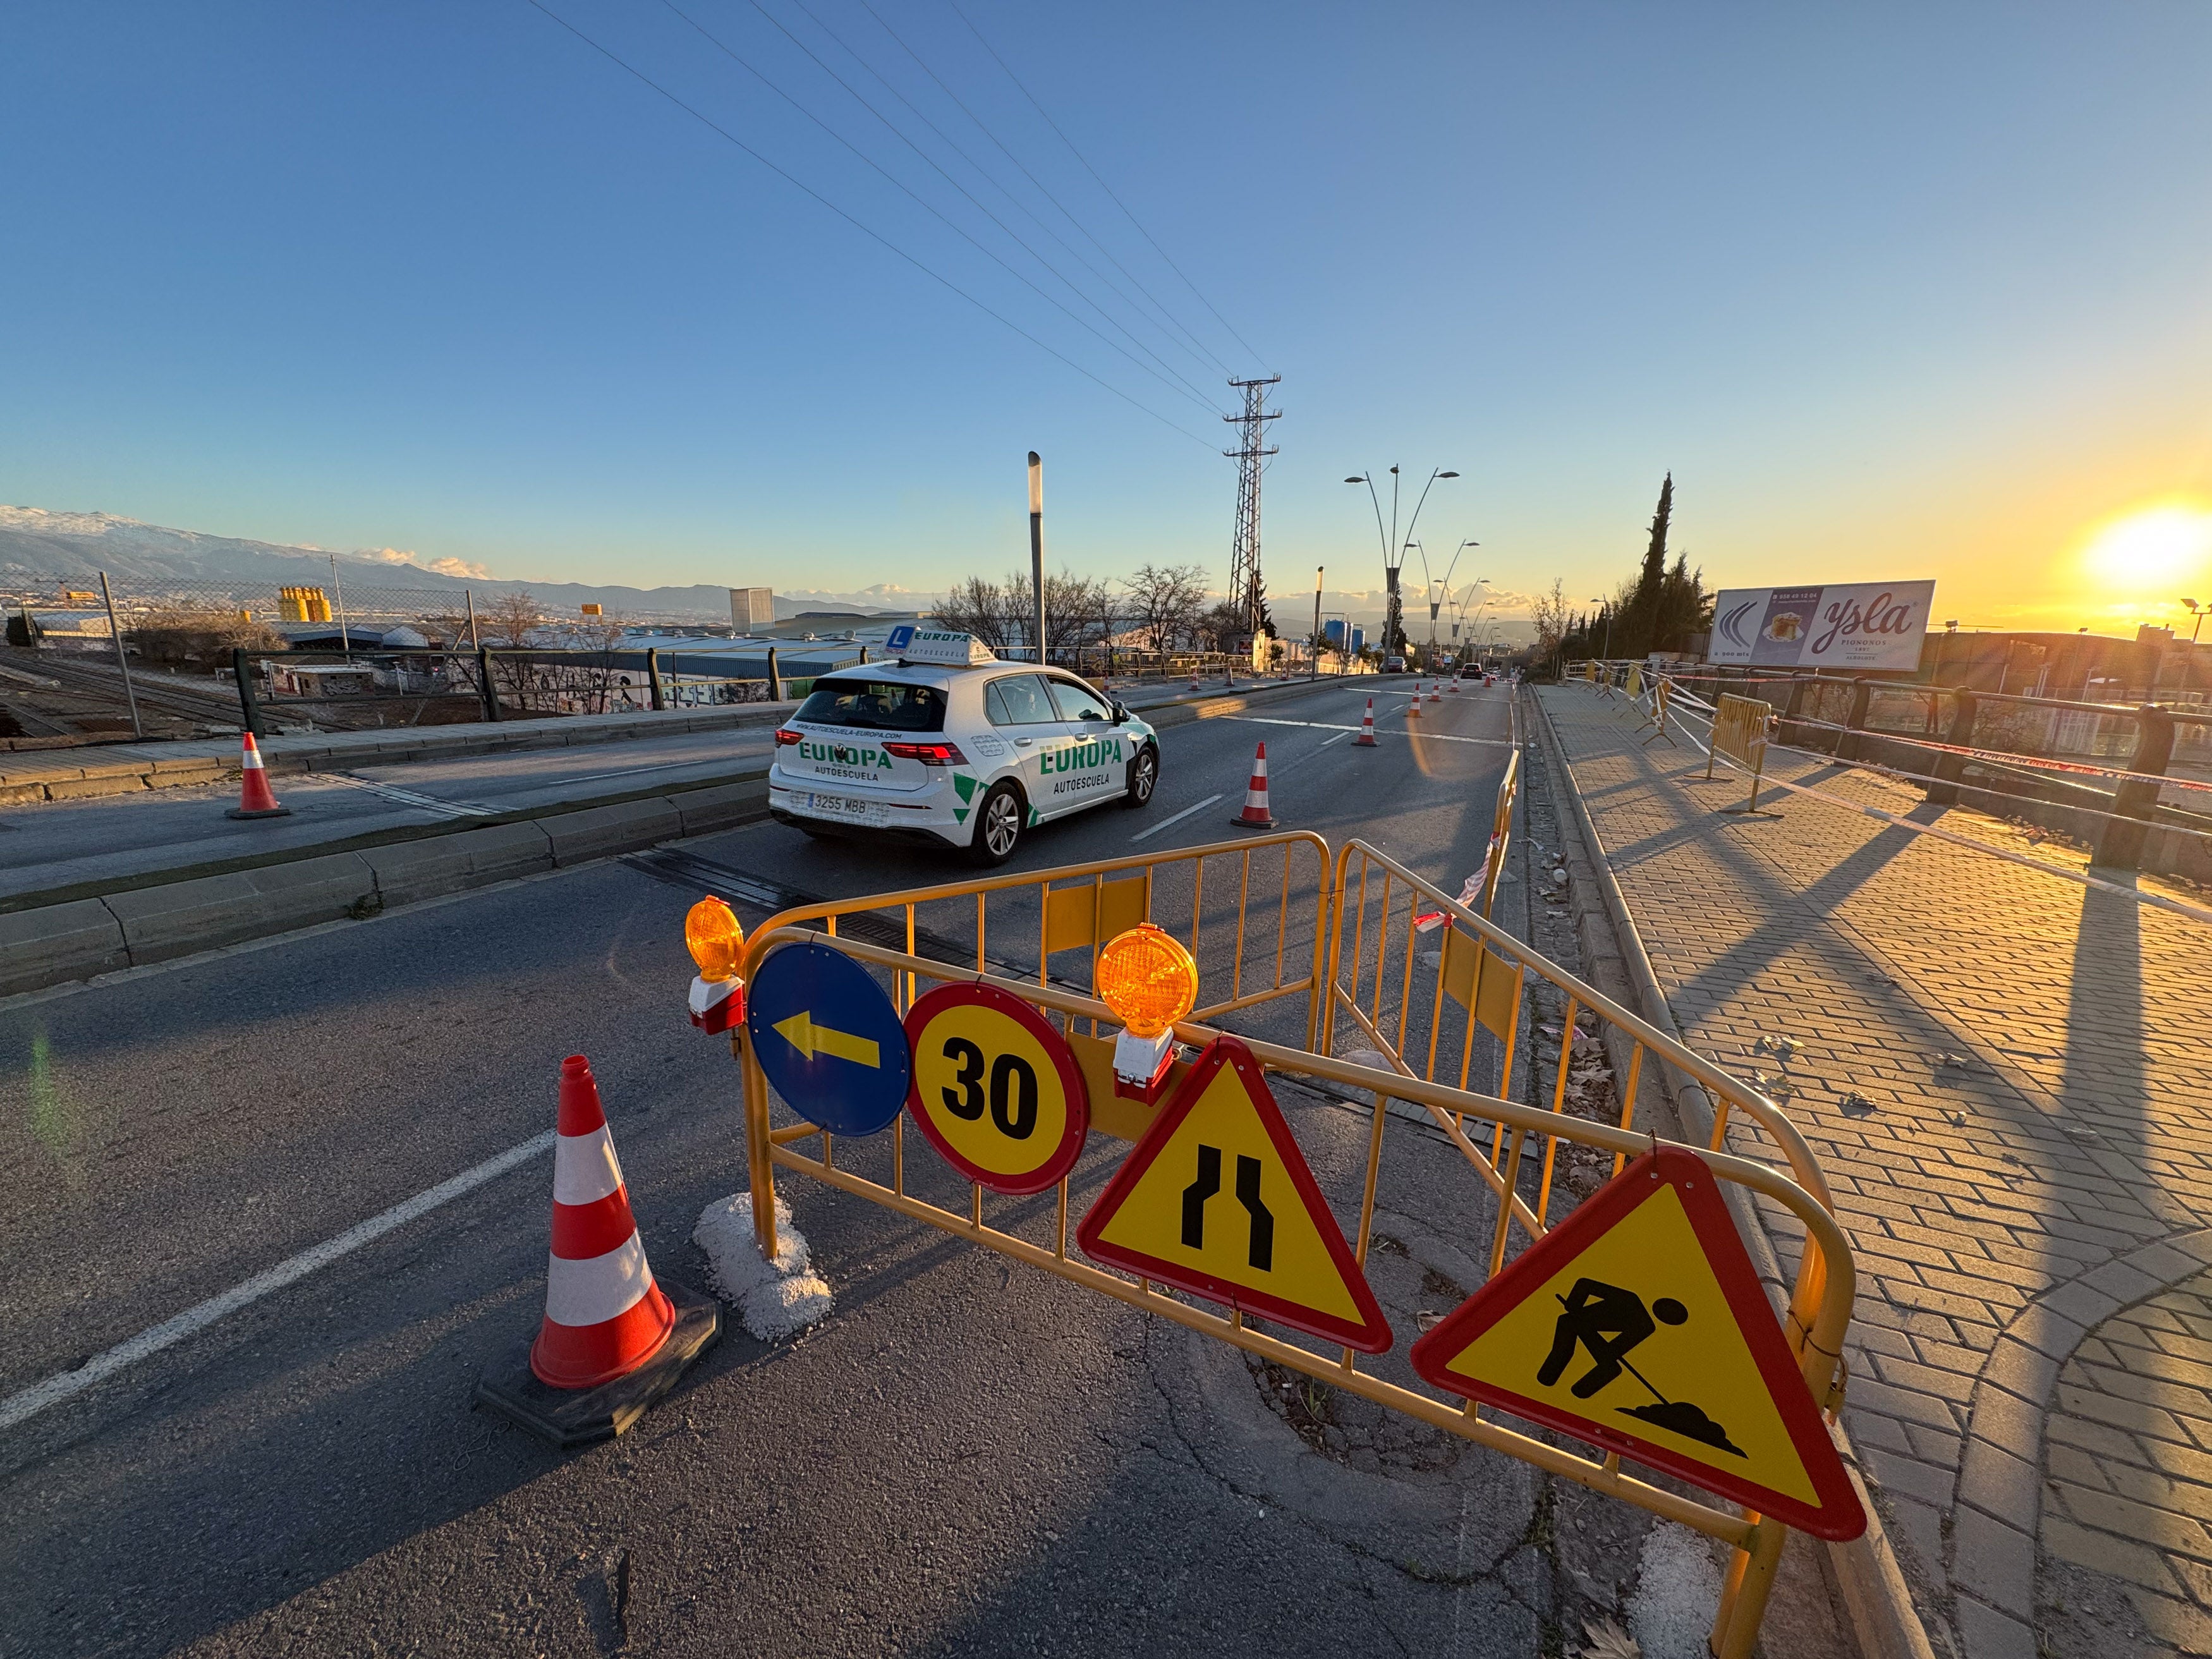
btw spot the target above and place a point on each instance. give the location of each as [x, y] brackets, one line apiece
[2189, 663]
[1434, 604]
[1314, 653]
[1393, 553]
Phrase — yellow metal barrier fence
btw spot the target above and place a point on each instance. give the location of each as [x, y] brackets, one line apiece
[1740, 732]
[1477, 969]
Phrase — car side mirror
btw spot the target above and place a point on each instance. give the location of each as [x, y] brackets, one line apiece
[1119, 713]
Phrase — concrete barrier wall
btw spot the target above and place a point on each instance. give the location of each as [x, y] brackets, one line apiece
[56, 944]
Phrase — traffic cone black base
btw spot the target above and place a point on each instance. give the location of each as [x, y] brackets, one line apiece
[569, 1418]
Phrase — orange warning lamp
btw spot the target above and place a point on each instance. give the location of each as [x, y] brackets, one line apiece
[714, 936]
[1147, 978]
[717, 942]
[1150, 981]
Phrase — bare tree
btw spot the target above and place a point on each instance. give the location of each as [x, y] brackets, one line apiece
[1220, 627]
[1164, 602]
[1079, 611]
[981, 607]
[198, 631]
[1549, 613]
[507, 624]
[510, 619]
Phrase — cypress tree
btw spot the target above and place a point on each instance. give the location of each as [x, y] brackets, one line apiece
[1637, 626]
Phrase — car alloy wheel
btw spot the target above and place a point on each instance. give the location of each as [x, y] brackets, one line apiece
[999, 825]
[1143, 774]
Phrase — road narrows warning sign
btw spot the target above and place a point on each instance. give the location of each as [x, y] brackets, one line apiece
[1638, 1324]
[1217, 1200]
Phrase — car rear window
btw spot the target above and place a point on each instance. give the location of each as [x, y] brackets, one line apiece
[874, 706]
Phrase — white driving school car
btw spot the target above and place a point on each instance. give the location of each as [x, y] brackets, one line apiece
[942, 742]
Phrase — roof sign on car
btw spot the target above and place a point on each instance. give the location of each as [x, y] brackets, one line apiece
[912, 644]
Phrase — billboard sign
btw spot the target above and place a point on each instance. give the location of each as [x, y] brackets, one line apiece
[1839, 628]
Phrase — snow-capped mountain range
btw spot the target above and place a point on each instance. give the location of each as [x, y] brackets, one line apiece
[36, 543]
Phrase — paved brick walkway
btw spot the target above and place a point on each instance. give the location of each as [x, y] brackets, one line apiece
[2004, 1076]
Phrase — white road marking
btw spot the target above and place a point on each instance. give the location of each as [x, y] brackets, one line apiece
[1380, 732]
[55, 1389]
[1168, 823]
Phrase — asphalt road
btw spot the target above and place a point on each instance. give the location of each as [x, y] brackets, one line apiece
[967, 1457]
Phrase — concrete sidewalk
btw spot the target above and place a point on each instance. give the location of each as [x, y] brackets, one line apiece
[2003, 1075]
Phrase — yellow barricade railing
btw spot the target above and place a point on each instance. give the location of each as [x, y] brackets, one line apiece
[1740, 732]
[1360, 906]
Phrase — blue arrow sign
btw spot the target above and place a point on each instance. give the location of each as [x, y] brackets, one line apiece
[829, 1039]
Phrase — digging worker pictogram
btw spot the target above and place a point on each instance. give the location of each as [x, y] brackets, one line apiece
[1608, 1321]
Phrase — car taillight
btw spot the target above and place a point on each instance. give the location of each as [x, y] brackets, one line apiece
[929, 754]
[784, 735]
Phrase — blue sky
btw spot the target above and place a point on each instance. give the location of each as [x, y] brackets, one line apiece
[1894, 291]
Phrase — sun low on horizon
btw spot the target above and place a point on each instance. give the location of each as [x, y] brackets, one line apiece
[2139, 564]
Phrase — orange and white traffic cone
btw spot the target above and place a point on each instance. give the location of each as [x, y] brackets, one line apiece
[1256, 815]
[1433, 695]
[604, 1314]
[613, 1340]
[255, 798]
[1414, 708]
[1366, 737]
[1194, 679]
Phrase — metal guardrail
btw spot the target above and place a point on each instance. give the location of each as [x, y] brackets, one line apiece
[2133, 749]
[1266, 967]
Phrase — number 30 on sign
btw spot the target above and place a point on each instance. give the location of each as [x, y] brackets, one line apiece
[995, 1088]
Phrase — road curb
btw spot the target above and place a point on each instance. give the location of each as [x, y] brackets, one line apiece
[1875, 1593]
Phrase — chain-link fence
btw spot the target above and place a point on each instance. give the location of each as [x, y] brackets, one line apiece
[168, 658]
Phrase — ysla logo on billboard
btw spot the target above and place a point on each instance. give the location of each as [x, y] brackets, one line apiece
[1868, 625]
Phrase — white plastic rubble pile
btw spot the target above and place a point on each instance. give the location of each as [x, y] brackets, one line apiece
[773, 1299]
[1677, 1593]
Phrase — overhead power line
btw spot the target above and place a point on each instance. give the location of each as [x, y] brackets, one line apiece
[1173, 322]
[1186, 389]
[869, 231]
[1093, 171]
[983, 172]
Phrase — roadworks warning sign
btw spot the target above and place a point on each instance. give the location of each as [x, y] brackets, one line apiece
[1638, 1324]
[1217, 1200]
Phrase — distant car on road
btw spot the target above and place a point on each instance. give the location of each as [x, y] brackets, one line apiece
[948, 745]
[1393, 665]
